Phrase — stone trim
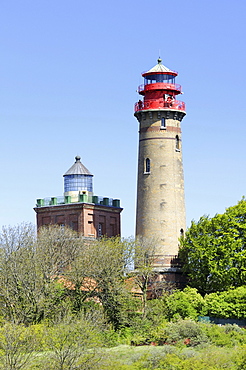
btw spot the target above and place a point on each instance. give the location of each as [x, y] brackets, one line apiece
[158, 138]
[158, 128]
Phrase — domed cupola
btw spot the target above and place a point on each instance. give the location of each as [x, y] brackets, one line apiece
[78, 179]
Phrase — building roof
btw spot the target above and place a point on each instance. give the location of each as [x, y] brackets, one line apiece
[160, 68]
[78, 168]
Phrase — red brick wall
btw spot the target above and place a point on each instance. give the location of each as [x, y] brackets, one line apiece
[84, 217]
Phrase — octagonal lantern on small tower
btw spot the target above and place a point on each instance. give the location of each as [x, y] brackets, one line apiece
[78, 180]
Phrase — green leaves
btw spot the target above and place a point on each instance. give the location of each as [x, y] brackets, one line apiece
[214, 251]
[229, 304]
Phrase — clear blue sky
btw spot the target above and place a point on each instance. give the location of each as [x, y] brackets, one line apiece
[68, 77]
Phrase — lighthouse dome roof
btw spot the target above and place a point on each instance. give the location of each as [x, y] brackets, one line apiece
[78, 168]
[160, 68]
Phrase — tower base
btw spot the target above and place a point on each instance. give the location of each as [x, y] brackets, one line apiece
[167, 276]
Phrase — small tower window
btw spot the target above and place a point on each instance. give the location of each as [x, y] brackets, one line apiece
[147, 165]
[163, 123]
[177, 145]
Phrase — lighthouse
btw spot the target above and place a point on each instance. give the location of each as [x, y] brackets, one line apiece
[160, 215]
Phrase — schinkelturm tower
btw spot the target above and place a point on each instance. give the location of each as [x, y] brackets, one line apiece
[160, 189]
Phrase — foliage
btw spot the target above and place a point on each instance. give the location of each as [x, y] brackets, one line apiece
[17, 273]
[174, 358]
[190, 304]
[58, 272]
[214, 251]
[69, 341]
[17, 346]
[100, 272]
[29, 269]
[225, 336]
[185, 331]
[229, 304]
[56, 249]
[77, 295]
[144, 256]
[76, 343]
[184, 304]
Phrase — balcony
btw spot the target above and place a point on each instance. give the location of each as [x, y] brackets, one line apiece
[159, 86]
[82, 198]
[159, 104]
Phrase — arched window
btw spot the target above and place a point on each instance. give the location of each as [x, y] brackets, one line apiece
[147, 165]
[177, 146]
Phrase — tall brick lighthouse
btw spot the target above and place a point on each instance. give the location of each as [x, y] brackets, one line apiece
[160, 189]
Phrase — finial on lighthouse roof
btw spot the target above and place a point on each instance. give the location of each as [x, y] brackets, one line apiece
[159, 60]
[77, 158]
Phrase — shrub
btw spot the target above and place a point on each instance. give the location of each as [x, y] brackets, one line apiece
[227, 335]
[185, 331]
[184, 304]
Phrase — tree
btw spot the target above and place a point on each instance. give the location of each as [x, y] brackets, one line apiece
[46, 276]
[18, 281]
[73, 345]
[144, 273]
[57, 247]
[213, 251]
[29, 271]
[103, 263]
[17, 346]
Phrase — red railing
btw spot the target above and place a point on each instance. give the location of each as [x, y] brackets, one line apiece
[159, 104]
[159, 86]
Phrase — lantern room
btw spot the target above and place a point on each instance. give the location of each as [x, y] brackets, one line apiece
[78, 178]
[159, 89]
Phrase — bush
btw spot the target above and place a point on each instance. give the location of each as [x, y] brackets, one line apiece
[225, 336]
[185, 331]
[229, 304]
[184, 304]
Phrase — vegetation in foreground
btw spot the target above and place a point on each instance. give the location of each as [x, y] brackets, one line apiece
[66, 303]
[87, 343]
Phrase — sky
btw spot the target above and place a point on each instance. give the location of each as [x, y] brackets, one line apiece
[69, 71]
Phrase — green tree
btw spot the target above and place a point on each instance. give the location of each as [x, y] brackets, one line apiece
[17, 346]
[72, 344]
[46, 276]
[30, 268]
[18, 280]
[100, 272]
[214, 250]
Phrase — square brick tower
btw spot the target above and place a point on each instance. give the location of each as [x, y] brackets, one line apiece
[160, 190]
[88, 214]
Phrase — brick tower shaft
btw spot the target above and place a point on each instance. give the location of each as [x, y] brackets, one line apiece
[160, 189]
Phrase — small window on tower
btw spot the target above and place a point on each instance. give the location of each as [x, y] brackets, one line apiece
[177, 143]
[147, 165]
[163, 123]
